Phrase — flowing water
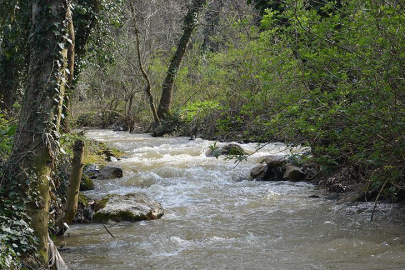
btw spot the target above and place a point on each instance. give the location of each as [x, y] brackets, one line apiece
[216, 219]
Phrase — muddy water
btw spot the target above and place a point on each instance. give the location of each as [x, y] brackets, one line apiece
[216, 219]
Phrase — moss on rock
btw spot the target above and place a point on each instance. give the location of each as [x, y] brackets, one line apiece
[86, 183]
[130, 207]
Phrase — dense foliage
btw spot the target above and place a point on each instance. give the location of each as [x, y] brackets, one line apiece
[328, 74]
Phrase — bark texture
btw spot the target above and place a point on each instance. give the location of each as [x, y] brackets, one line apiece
[148, 88]
[74, 182]
[35, 144]
[71, 67]
[190, 23]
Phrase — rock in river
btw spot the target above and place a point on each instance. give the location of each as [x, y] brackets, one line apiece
[293, 173]
[130, 207]
[110, 172]
[275, 160]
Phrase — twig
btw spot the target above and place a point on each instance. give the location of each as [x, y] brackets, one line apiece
[108, 231]
[376, 199]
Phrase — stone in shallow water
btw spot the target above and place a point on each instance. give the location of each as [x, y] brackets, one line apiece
[110, 172]
[293, 173]
[275, 160]
[129, 207]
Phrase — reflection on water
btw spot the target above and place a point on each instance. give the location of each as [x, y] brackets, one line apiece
[216, 219]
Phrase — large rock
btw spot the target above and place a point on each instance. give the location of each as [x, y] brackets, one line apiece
[293, 173]
[110, 172]
[275, 160]
[264, 172]
[130, 207]
[258, 171]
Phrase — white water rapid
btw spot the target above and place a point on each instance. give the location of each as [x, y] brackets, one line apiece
[216, 219]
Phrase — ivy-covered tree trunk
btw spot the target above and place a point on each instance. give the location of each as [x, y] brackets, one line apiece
[36, 141]
[190, 24]
[80, 26]
[65, 105]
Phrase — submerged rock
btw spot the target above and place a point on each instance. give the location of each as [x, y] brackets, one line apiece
[130, 207]
[110, 172]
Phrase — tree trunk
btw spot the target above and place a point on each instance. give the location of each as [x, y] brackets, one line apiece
[71, 68]
[74, 182]
[148, 88]
[167, 88]
[35, 144]
[79, 31]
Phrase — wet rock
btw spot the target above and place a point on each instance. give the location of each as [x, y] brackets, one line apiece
[86, 183]
[110, 172]
[293, 173]
[264, 172]
[272, 174]
[91, 170]
[130, 207]
[275, 160]
[258, 171]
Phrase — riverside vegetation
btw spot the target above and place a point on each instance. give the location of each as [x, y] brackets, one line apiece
[324, 74]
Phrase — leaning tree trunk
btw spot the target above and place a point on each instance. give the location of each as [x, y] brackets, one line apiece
[190, 23]
[74, 182]
[36, 142]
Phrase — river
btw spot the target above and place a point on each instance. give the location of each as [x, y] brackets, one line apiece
[216, 219]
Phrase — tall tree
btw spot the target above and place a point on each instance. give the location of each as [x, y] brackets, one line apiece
[81, 24]
[36, 141]
[190, 23]
[148, 88]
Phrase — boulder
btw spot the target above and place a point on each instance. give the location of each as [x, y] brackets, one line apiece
[130, 207]
[110, 172]
[86, 183]
[275, 160]
[293, 173]
[258, 171]
[263, 172]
